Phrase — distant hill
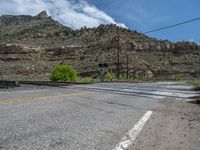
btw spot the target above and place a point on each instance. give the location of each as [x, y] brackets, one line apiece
[33, 45]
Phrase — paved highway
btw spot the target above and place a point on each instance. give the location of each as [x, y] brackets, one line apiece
[86, 117]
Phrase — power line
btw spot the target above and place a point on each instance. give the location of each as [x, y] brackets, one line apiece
[174, 25]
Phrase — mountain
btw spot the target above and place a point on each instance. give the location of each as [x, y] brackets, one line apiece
[30, 46]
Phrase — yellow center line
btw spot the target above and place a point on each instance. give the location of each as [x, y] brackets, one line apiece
[16, 101]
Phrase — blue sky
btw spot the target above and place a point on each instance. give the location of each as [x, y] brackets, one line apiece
[140, 15]
[145, 15]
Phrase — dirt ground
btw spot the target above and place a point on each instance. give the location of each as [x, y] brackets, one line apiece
[174, 125]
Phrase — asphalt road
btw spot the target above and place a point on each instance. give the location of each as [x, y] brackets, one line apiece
[86, 117]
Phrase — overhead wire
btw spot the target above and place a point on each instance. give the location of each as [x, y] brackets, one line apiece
[171, 26]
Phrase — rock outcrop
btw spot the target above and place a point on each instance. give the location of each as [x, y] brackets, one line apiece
[42, 15]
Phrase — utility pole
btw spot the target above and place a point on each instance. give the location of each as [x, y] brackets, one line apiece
[118, 53]
[103, 64]
[127, 67]
[127, 61]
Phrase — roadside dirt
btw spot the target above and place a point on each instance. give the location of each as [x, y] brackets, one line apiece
[174, 125]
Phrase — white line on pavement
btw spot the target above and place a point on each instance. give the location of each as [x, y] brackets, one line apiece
[133, 133]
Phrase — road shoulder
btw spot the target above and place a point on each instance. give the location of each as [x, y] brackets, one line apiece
[173, 125]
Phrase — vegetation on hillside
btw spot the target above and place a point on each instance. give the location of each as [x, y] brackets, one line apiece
[194, 82]
[64, 72]
[33, 45]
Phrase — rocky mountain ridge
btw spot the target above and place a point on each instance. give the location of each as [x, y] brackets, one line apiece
[7, 20]
[34, 45]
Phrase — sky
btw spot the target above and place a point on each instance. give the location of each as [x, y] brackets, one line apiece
[140, 15]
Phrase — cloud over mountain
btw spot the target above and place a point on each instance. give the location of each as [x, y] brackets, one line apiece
[72, 13]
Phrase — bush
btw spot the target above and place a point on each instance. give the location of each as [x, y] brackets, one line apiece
[122, 77]
[63, 73]
[85, 80]
[194, 82]
[135, 77]
[109, 76]
[177, 77]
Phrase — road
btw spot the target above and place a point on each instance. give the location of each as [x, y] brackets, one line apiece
[86, 117]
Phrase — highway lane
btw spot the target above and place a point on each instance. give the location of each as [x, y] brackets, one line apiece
[59, 118]
[48, 118]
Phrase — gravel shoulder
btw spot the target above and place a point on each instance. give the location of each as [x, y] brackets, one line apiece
[173, 125]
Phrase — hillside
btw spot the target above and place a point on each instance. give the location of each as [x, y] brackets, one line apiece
[31, 46]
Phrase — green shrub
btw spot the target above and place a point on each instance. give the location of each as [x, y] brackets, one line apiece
[63, 73]
[109, 76]
[177, 77]
[122, 77]
[85, 80]
[194, 82]
[135, 77]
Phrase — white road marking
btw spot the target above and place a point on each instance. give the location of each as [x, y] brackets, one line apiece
[133, 133]
[160, 94]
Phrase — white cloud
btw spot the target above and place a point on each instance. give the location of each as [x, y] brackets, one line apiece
[72, 13]
[191, 40]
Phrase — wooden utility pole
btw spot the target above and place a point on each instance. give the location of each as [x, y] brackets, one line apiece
[127, 67]
[118, 59]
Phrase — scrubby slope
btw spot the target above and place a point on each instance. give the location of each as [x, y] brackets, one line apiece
[33, 45]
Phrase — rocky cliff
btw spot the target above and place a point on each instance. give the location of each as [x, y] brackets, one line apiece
[32, 46]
